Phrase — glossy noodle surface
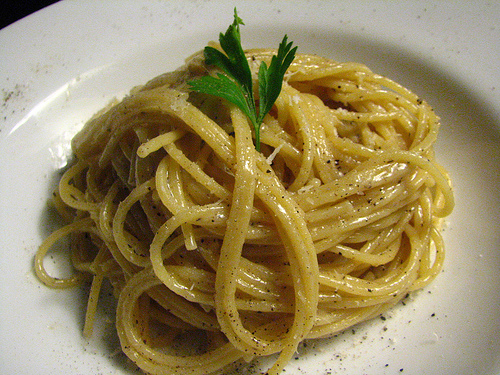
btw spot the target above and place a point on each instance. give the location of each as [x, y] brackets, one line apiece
[248, 253]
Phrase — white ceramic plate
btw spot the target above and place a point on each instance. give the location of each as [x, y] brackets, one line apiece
[60, 65]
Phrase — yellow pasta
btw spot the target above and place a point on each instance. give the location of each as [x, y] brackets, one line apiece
[248, 253]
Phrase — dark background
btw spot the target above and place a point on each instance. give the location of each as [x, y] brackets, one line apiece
[13, 10]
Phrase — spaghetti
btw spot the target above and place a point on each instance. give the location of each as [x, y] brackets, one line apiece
[249, 253]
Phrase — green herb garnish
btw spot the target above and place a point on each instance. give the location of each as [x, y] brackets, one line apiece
[236, 84]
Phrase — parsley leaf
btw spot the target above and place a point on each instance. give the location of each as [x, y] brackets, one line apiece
[236, 84]
[224, 87]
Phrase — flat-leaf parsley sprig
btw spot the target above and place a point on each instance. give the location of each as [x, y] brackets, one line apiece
[236, 84]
